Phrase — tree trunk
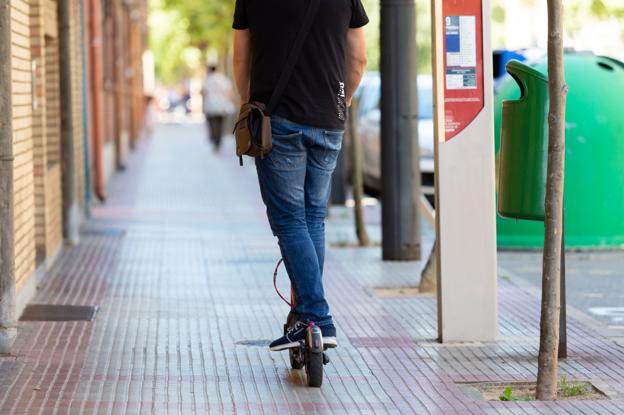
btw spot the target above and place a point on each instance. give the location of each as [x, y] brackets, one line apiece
[429, 275]
[358, 183]
[549, 325]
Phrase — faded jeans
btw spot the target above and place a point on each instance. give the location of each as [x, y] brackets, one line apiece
[295, 180]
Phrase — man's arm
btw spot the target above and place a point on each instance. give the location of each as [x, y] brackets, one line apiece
[242, 63]
[356, 61]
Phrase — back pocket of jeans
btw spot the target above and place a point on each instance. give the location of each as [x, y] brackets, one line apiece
[333, 140]
[288, 152]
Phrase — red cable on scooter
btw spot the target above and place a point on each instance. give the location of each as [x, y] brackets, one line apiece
[291, 304]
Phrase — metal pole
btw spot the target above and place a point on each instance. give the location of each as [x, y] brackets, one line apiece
[7, 247]
[118, 39]
[399, 132]
[96, 94]
[71, 210]
[563, 318]
[85, 111]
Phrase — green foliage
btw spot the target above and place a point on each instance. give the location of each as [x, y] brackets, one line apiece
[566, 389]
[577, 12]
[569, 389]
[498, 12]
[209, 22]
[507, 394]
[423, 34]
[168, 41]
[499, 16]
[604, 9]
[372, 33]
[181, 32]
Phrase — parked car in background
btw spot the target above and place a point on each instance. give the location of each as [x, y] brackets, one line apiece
[369, 119]
[369, 124]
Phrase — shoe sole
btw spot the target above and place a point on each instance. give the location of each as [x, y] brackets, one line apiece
[284, 346]
[328, 342]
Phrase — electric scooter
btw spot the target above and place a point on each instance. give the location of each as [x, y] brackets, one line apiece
[310, 353]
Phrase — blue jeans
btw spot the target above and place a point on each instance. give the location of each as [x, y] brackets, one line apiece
[295, 180]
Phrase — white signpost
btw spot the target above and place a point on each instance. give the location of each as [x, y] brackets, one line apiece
[465, 176]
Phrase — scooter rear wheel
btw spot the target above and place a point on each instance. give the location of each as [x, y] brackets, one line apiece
[314, 369]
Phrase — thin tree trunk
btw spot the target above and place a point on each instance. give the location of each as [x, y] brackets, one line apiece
[429, 275]
[358, 184]
[549, 325]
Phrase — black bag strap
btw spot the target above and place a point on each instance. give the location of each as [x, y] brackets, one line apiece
[293, 57]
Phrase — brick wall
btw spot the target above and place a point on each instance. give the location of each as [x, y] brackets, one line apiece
[46, 129]
[52, 193]
[36, 94]
[54, 214]
[36, 127]
[24, 203]
[36, 113]
[40, 160]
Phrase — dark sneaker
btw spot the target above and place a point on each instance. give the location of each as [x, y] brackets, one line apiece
[297, 333]
[329, 336]
[294, 335]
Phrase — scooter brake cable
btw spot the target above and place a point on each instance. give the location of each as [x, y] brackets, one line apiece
[275, 283]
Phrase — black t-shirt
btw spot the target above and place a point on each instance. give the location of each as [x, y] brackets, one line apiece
[315, 95]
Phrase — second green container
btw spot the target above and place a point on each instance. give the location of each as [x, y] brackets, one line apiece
[523, 156]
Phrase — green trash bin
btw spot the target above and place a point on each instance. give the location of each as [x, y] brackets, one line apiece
[523, 158]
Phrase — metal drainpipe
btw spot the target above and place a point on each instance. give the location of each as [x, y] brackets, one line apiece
[7, 248]
[97, 95]
[85, 113]
[71, 210]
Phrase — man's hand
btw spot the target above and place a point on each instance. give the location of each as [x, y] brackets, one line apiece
[242, 63]
[355, 61]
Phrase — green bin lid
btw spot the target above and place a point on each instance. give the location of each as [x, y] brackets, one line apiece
[515, 66]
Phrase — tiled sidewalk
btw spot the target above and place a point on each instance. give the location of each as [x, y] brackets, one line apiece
[180, 261]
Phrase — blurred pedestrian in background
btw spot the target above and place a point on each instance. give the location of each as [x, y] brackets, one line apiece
[218, 103]
[149, 117]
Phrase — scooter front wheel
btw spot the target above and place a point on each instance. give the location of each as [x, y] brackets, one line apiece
[314, 360]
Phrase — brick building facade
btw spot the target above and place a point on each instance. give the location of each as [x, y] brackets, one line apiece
[75, 103]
